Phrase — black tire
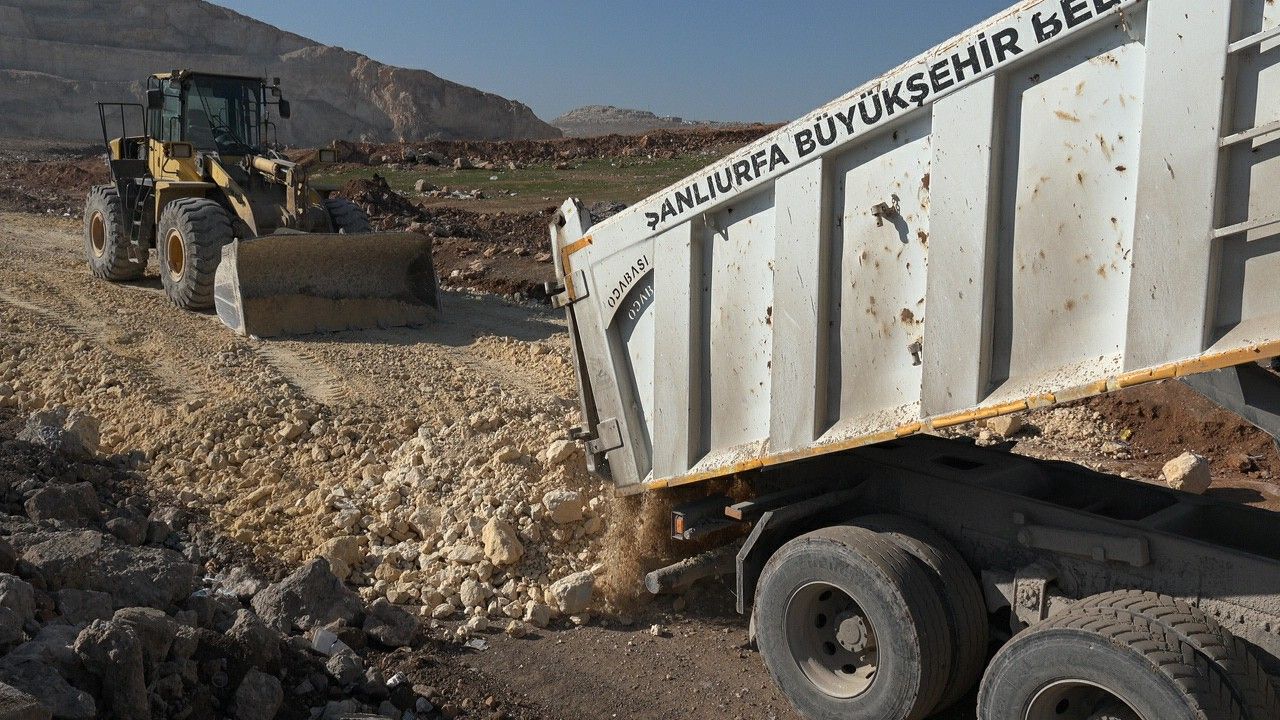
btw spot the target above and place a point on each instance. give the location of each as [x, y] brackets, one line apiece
[189, 244]
[884, 590]
[1079, 663]
[347, 217]
[1249, 683]
[106, 244]
[961, 596]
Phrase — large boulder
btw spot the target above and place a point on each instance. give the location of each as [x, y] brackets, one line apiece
[48, 687]
[155, 632]
[112, 652]
[390, 624]
[74, 435]
[73, 503]
[17, 595]
[259, 643]
[563, 506]
[308, 597]
[81, 607]
[89, 560]
[572, 593]
[258, 697]
[343, 553]
[17, 705]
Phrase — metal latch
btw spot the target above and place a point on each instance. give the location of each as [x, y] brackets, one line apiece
[608, 437]
[883, 210]
[573, 289]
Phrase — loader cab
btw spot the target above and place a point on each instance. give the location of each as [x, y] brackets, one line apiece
[223, 114]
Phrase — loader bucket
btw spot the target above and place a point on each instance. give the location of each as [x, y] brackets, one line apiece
[294, 283]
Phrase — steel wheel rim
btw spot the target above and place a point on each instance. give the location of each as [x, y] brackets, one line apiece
[831, 640]
[1078, 700]
[175, 255]
[98, 234]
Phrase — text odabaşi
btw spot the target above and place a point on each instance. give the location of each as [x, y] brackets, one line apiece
[877, 106]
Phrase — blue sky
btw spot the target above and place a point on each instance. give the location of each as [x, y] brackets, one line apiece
[699, 59]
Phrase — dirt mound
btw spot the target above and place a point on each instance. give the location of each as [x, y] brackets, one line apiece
[503, 253]
[659, 143]
[56, 186]
[1170, 418]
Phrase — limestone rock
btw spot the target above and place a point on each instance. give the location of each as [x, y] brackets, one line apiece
[501, 544]
[572, 593]
[1188, 472]
[1006, 426]
[343, 553]
[563, 506]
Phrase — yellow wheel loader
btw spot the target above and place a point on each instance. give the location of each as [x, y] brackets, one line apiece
[236, 226]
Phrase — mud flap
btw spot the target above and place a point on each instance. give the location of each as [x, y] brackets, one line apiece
[294, 283]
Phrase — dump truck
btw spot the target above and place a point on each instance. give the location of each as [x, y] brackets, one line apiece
[1072, 198]
[237, 226]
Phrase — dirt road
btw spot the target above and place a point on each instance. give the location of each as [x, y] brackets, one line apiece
[177, 395]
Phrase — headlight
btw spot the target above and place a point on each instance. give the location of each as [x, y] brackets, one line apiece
[328, 155]
[180, 150]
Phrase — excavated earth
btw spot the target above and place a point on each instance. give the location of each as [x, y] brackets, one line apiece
[429, 468]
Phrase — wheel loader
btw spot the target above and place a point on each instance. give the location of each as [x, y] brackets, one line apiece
[238, 227]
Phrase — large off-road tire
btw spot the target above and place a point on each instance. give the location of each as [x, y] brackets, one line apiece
[1249, 682]
[106, 244]
[189, 240]
[1102, 662]
[961, 596]
[347, 217]
[851, 627]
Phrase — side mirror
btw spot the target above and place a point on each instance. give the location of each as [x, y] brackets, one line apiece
[155, 99]
[284, 109]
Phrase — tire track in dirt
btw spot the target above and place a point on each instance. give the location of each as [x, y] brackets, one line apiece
[304, 371]
[173, 379]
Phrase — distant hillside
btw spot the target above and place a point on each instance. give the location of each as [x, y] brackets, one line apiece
[59, 56]
[593, 120]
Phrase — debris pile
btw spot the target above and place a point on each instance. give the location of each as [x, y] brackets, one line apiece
[113, 607]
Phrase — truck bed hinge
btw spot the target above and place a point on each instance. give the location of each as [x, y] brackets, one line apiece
[573, 289]
[608, 436]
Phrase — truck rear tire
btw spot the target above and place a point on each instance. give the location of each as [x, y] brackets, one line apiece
[1098, 662]
[347, 217]
[961, 596]
[1249, 682]
[851, 628]
[106, 245]
[189, 240]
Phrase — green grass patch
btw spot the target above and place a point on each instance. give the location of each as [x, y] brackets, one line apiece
[625, 180]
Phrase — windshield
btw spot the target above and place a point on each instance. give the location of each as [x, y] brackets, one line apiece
[223, 115]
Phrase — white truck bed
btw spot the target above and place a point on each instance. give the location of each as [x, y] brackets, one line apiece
[1073, 197]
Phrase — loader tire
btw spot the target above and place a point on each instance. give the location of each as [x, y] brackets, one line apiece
[851, 627]
[190, 237]
[961, 595]
[106, 245]
[347, 217]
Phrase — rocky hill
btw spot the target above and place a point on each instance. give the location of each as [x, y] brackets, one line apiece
[594, 120]
[58, 56]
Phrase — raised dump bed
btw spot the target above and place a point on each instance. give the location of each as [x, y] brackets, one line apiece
[1073, 197]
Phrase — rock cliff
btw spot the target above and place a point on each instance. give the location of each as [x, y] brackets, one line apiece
[57, 57]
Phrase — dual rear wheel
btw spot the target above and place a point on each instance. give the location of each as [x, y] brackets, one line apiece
[881, 619]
